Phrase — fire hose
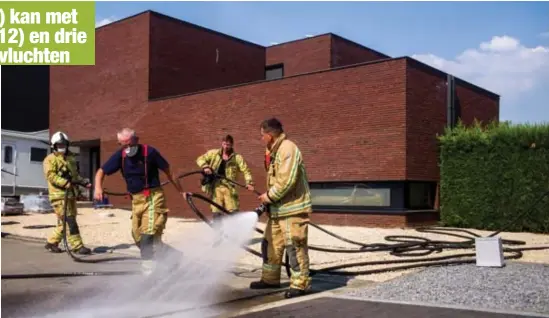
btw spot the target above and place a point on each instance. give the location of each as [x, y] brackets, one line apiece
[405, 246]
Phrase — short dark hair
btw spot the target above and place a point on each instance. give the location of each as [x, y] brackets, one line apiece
[272, 125]
[228, 138]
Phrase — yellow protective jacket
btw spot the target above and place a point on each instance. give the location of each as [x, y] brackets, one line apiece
[212, 159]
[287, 182]
[57, 171]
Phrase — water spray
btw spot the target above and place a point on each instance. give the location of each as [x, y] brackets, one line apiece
[404, 246]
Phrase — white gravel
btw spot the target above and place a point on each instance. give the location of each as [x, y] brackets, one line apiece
[98, 230]
[517, 286]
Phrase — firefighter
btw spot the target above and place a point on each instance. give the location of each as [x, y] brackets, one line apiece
[289, 204]
[225, 162]
[61, 174]
[140, 165]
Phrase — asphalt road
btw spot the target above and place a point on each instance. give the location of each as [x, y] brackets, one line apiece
[173, 293]
[24, 297]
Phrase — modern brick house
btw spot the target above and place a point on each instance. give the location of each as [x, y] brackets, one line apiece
[366, 122]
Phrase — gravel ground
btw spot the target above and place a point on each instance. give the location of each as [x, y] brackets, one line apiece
[99, 230]
[517, 286]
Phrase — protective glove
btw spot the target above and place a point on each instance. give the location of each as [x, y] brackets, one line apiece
[85, 182]
[207, 178]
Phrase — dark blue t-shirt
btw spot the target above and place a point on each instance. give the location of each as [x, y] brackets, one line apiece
[134, 168]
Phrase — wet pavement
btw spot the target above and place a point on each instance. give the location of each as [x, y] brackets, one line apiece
[21, 297]
[41, 296]
[230, 297]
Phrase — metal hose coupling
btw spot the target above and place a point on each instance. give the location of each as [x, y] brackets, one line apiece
[260, 210]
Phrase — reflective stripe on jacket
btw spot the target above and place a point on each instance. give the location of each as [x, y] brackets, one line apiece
[287, 180]
[212, 159]
[58, 171]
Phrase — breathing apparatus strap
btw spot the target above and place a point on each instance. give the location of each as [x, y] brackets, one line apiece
[268, 160]
[146, 191]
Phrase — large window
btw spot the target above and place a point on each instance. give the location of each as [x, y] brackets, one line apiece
[38, 154]
[351, 195]
[388, 196]
[354, 196]
[274, 71]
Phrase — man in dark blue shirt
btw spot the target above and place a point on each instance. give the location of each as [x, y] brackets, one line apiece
[140, 165]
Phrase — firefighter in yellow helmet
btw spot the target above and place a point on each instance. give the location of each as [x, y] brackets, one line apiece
[62, 176]
[289, 204]
[225, 162]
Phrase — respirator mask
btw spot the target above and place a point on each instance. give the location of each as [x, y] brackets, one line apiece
[130, 147]
[131, 150]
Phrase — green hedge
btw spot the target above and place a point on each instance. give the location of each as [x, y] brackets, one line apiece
[491, 175]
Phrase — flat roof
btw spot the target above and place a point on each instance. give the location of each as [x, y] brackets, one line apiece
[335, 69]
[42, 135]
[388, 58]
[199, 27]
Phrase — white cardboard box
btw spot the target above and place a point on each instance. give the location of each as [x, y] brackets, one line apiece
[489, 251]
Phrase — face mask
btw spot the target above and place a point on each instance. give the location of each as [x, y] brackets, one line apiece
[131, 150]
[61, 150]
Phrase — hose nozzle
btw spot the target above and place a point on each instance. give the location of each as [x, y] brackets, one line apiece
[260, 210]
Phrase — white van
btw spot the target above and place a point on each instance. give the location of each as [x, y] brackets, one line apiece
[23, 154]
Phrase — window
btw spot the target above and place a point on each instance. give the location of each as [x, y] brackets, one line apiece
[8, 154]
[420, 195]
[373, 196]
[274, 71]
[352, 196]
[38, 154]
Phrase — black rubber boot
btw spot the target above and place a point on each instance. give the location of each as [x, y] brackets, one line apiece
[83, 251]
[292, 292]
[262, 285]
[53, 248]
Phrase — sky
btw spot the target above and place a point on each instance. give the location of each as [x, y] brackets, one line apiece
[501, 46]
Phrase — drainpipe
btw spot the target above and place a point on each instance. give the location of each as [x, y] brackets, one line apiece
[450, 101]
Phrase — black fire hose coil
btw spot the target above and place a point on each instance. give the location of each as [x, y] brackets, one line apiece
[405, 246]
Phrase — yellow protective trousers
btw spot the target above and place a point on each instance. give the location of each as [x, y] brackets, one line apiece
[226, 197]
[288, 234]
[74, 239]
[149, 217]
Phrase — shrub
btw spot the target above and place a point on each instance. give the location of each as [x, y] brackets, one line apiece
[491, 176]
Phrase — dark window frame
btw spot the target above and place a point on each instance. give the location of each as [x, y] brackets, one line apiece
[428, 188]
[274, 67]
[32, 160]
[6, 154]
[400, 201]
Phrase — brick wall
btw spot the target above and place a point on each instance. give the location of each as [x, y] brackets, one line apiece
[345, 52]
[90, 102]
[335, 145]
[186, 58]
[319, 53]
[350, 123]
[302, 56]
[474, 103]
[426, 115]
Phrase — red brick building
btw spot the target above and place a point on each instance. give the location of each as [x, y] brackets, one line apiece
[361, 118]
